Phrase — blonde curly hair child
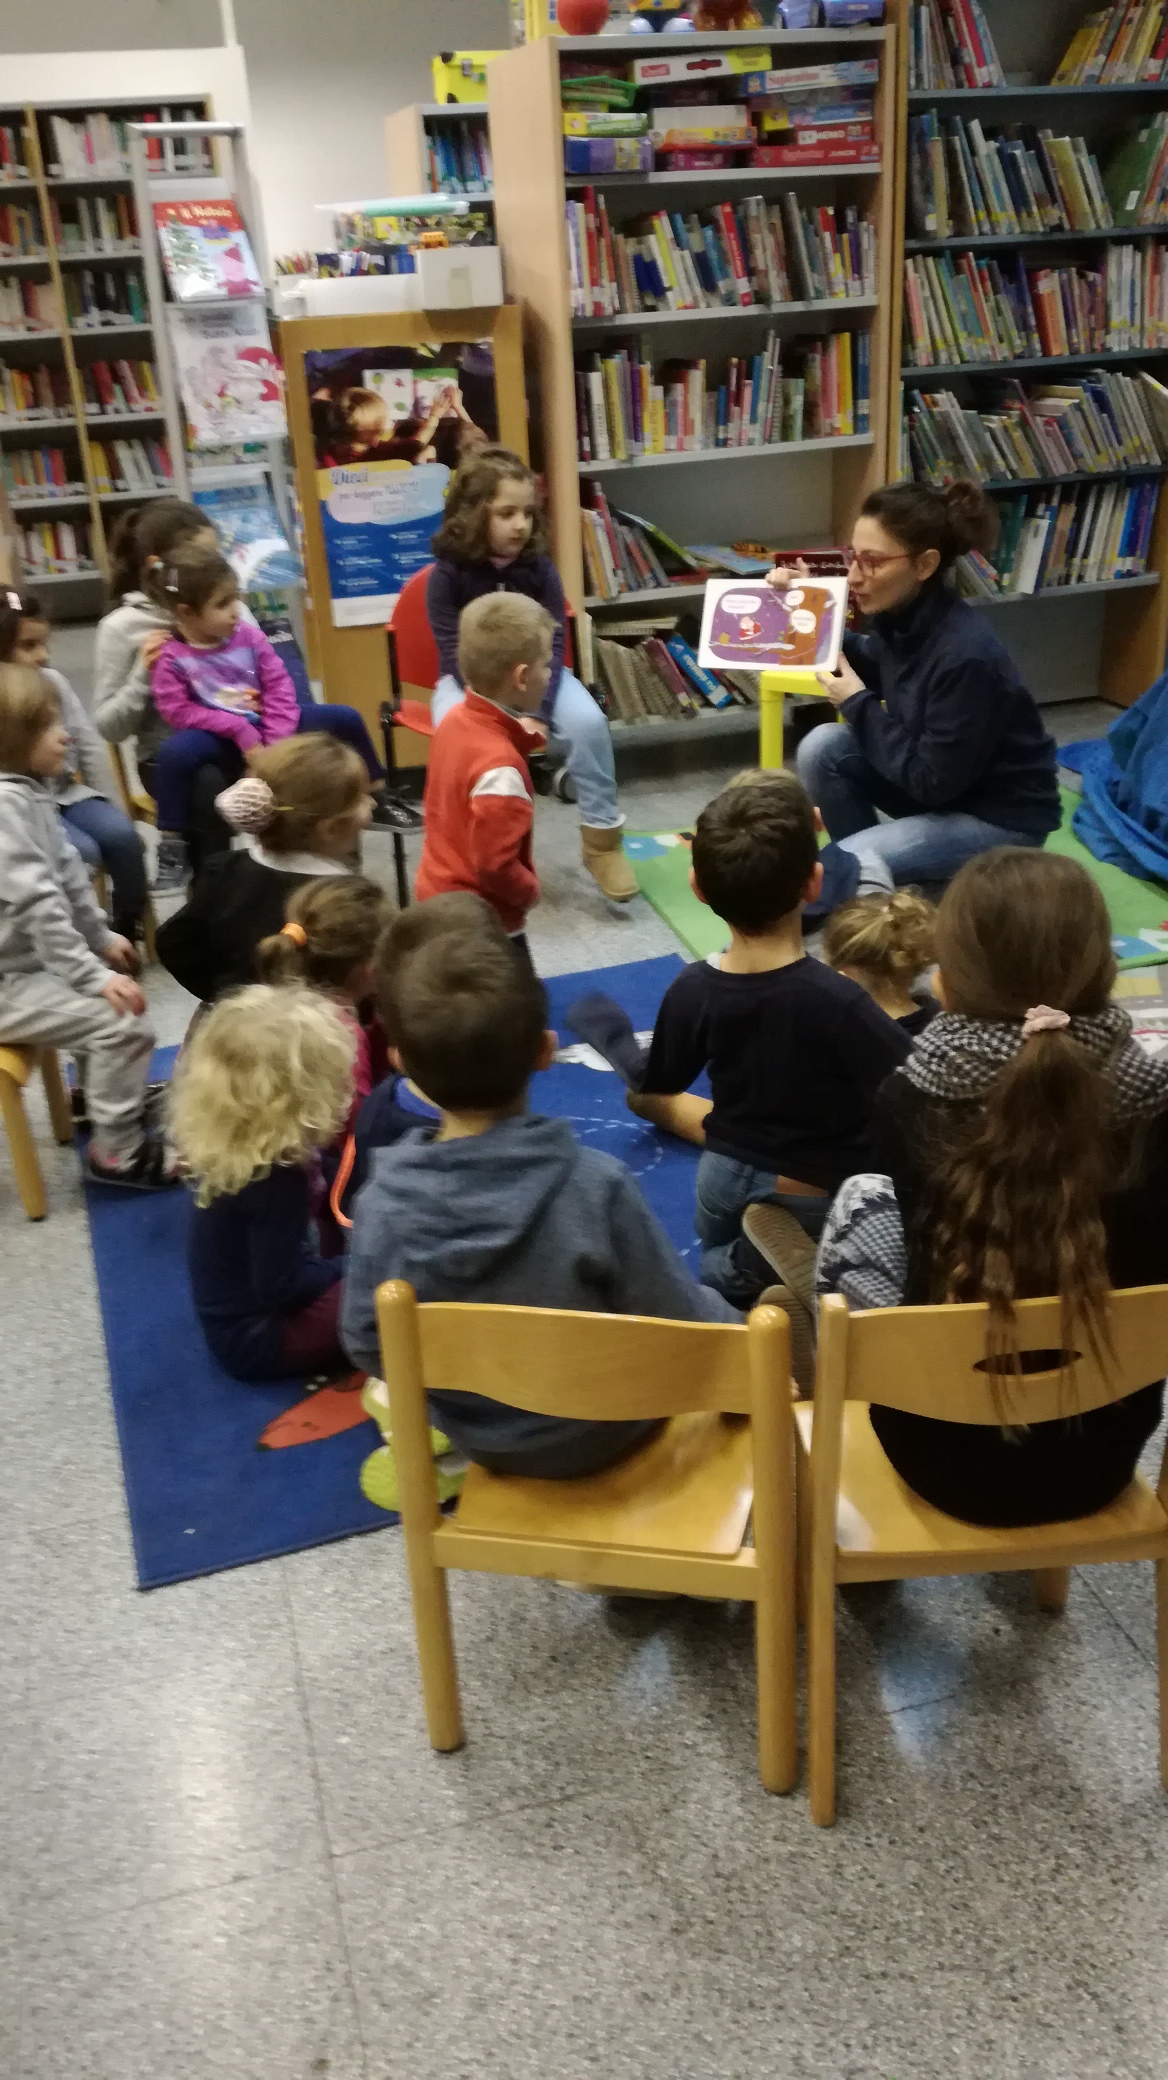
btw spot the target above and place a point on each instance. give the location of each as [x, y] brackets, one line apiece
[884, 942]
[263, 1084]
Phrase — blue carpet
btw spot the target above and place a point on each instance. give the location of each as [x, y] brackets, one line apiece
[202, 1496]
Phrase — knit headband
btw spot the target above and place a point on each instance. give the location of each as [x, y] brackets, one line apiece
[959, 1057]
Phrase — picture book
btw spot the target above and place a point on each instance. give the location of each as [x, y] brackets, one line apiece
[243, 514]
[761, 629]
[232, 384]
[206, 251]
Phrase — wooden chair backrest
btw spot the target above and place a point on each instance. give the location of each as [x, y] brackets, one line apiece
[929, 1361]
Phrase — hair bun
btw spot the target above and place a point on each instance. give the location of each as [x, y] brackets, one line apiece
[972, 517]
[248, 805]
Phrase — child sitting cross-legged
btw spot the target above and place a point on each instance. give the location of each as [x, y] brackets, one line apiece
[301, 810]
[66, 980]
[884, 942]
[264, 1082]
[795, 1052]
[478, 790]
[498, 1204]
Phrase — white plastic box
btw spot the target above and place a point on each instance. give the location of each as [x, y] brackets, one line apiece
[446, 278]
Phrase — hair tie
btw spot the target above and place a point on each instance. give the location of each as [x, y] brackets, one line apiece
[296, 933]
[13, 599]
[170, 582]
[1042, 1018]
[249, 805]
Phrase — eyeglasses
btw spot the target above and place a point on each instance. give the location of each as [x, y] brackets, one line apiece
[869, 563]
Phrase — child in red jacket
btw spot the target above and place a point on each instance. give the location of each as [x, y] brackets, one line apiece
[478, 790]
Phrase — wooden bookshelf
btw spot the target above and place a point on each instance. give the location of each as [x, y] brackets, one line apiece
[1131, 615]
[73, 348]
[408, 132]
[793, 492]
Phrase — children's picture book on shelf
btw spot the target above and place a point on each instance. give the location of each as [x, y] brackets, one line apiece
[232, 384]
[206, 251]
[243, 514]
[759, 629]
[389, 426]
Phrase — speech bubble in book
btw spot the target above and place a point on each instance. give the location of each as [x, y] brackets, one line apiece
[758, 628]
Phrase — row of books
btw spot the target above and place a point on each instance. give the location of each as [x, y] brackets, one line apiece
[89, 146]
[111, 297]
[13, 156]
[94, 223]
[27, 306]
[962, 179]
[730, 256]
[460, 158]
[969, 308]
[51, 548]
[120, 386]
[29, 393]
[655, 677]
[1103, 424]
[799, 390]
[135, 465]
[1095, 534]
[950, 45]
[20, 231]
[625, 554]
[1137, 175]
[1122, 46]
[44, 471]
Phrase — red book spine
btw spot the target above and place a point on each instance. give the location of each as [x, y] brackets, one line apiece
[725, 216]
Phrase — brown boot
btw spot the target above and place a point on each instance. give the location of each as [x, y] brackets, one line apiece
[607, 864]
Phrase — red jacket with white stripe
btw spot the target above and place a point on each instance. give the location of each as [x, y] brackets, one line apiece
[479, 811]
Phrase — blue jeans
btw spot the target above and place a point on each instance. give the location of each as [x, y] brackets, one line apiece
[180, 757]
[917, 845]
[726, 1187]
[105, 837]
[582, 728]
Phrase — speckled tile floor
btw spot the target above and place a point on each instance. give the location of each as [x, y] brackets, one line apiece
[228, 1853]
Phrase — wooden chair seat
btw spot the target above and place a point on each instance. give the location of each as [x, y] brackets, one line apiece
[885, 1532]
[16, 1067]
[688, 1491]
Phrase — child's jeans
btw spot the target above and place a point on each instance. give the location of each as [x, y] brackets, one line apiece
[112, 1050]
[179, 758]
[726, 1187]
[105, 837]
[582, 727]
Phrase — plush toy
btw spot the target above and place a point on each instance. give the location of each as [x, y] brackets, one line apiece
[660, 14]
[726, 14]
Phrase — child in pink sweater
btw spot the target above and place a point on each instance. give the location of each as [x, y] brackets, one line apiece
[221, 687]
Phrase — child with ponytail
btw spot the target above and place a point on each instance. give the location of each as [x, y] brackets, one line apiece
[301, 809]
[884, 942]
[1025, 1146]
[327, 943]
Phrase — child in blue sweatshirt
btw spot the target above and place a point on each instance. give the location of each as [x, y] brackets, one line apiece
[497, 1204]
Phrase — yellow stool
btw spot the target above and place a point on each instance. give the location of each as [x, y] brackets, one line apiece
[16, 1066]
[772, 686]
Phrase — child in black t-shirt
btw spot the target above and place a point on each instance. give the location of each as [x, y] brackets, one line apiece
[795, 1052]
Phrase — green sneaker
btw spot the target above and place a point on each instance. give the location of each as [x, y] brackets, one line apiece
[375, 1402]
[379, 1479]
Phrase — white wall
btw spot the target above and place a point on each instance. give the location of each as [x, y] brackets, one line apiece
[322, 75]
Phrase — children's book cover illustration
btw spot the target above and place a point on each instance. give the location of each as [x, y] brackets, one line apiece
[761, 629]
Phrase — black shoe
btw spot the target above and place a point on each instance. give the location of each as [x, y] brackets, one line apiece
[78, 1105]
[392, 813]
[149, 1169]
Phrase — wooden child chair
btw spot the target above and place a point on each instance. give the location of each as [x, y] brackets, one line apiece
[859, 1522]
[16, 1066]
[671, 1517]
[140, 808]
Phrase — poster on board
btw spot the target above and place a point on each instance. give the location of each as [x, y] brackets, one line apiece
[756, 628]
[389, 427]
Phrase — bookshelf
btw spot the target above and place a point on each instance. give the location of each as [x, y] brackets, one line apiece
[104, 315]
[798, 491]
[423, 139]
[1107, 638]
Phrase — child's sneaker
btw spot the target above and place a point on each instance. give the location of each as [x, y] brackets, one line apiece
[171, 868]
[151, 1168]
[155, 1106]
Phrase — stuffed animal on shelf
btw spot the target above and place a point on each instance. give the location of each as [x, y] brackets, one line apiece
[726, 14]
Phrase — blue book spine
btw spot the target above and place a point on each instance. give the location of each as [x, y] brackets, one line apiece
[723, 418]
[862, 381]
[710, 688]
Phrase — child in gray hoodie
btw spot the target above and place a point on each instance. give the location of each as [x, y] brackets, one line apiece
[498, 1205]
[66, 980]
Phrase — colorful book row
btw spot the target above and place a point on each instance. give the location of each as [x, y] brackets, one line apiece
[969, 308]
[27, 391]
[109, 298]
[658, 678]
[93, 223]
[801, 390]
[965, 180]
[730, 256]
[28, 306]
[1121, 46]
[1103, 424]
[950, 46]
[20, 231]
[460, 158]
[43, 470]
[52, 548]
[135, 465]
[1095, 534]
[120, 386]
